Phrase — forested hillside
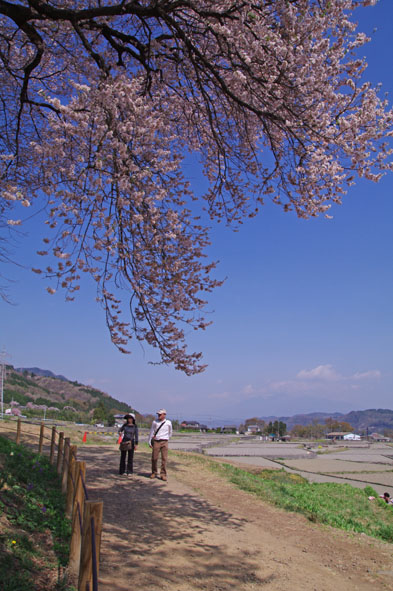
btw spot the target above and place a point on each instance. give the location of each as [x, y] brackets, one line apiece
[60, 398]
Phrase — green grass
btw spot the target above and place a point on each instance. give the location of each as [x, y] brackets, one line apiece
[338, 505]
[34, 532]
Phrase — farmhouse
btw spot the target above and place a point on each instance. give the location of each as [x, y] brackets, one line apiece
[337, 435]
[378, 437]
[229, 429]
[189, 425]
[275, 437]
[193, 425]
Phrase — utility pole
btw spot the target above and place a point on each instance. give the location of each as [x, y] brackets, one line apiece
[2, 380]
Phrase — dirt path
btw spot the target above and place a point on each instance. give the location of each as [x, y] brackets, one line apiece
[198, 532]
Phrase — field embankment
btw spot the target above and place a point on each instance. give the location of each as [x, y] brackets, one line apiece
[339, 505]
[34, 534]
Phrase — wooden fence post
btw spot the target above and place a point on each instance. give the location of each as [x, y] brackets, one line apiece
[66, 460]
[92, 513]
[71, 484]
[77, 518]
[52, 445]
[42, 427]
[18, 430]
[60, 452]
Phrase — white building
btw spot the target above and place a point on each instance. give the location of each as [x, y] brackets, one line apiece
[351, 437]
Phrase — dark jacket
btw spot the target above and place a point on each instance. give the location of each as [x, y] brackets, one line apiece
[130, 433]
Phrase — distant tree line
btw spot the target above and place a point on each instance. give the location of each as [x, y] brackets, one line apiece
[317, 430]
[313, 430]
[278, 428]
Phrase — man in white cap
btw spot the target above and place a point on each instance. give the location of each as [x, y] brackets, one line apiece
[160, 433]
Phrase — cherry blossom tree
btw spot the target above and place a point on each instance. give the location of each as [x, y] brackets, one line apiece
[101, 101]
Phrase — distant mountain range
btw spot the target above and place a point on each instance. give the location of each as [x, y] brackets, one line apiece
[41, 372]
[361, 420]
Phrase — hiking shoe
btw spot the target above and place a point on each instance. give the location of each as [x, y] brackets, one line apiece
[164, 478]
[153, 475]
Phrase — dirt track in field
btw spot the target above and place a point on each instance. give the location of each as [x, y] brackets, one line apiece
[198, 532]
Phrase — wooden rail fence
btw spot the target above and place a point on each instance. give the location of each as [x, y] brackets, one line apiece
[85, 514]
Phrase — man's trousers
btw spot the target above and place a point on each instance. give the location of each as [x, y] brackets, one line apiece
[160, 446]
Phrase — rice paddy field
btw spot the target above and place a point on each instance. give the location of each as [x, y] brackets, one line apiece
[358, 464]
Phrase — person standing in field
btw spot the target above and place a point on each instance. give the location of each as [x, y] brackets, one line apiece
[128, 444]
[160, 433]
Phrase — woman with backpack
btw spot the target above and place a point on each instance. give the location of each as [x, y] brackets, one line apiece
[128, 444]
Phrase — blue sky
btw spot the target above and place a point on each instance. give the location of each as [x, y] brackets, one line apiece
[303, 322]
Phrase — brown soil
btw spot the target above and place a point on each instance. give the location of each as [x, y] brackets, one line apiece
[199, 532]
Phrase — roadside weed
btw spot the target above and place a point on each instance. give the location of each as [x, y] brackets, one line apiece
[34, 532]
[338, 505]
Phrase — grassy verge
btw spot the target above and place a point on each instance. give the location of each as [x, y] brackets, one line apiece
[34, 533]
[338, 505]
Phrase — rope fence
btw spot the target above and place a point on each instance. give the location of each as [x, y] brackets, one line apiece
[85, 515]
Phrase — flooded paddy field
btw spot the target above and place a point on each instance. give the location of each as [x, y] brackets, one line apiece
[259, 448]
[356, 463]
[326, 465]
